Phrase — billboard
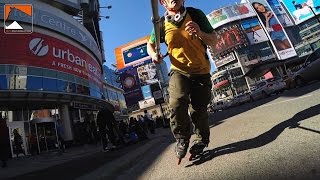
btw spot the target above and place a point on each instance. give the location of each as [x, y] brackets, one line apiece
[228, 14]
[44, 51]
[224, 60]
[132, 54]
[302, 10]
[280, 12]
[131, 86]
[228, 39]
[254, 31]
[274, 29]
[147, 73]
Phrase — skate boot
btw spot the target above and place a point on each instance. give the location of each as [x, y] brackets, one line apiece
[181, 149]
[196, 149]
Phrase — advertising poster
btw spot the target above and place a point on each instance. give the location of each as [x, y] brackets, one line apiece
[280, 12]
[147, 73]
[131, 86]
[274, 29]
[132, 54]
[225, 60]
[302, 10]
[229, 39]
[228, 14]
[254, 31]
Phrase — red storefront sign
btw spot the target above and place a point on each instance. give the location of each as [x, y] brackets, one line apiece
[221, 84]
[44, 51]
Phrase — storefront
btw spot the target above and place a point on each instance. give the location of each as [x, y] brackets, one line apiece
[53, 73]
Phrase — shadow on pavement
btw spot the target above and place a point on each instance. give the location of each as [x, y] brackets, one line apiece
[260, 140]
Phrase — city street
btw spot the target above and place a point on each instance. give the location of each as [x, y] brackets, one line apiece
[274, 138]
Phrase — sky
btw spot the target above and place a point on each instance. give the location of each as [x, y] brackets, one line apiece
[131, 19]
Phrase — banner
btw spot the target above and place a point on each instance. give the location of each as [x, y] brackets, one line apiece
[147, 73]
[132, 54]
[228, 14]
[254, 31]
[225, 60]
[229, 39]
[131, 86]
[40, 50]
[274, 29]
[302, 10]
[280, 12]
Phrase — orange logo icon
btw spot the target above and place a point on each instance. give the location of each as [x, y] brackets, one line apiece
[18, 18]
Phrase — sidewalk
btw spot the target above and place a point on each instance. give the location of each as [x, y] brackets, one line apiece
[27, 164]
[31, 164]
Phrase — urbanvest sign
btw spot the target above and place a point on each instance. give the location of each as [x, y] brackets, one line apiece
[46, 16]
[47, 52]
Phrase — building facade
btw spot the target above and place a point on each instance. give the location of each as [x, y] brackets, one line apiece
[53, 73]
[254, 53]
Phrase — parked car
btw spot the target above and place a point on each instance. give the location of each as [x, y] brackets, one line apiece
[310, 70]
[277, 84]
[262, 90]
[241, 99]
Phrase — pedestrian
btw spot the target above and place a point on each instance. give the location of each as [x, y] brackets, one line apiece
[150, 122]
[60, 133]
[4, 142]
[18, 143]
[187, 33]
[102, 122]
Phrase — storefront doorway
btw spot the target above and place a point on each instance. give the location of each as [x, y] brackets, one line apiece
[45, 130]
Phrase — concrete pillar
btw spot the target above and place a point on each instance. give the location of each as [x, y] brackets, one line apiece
[66, 122]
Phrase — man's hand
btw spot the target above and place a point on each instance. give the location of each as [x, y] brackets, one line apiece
[157, 58]
[192, 28]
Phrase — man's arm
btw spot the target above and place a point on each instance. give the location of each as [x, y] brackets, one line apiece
[151, 49]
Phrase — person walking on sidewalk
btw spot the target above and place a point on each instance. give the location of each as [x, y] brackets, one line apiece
[187, 33]
[18, 143]
[148, 119]
[102, 122]
[4, 142]
[60, 131]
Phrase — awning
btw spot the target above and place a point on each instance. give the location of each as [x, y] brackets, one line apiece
[221, 84]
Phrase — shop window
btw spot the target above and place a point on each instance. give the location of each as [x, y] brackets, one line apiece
[34, 71]
[3, 69]
[3, 82]
[49, 84]
[49, 73]
[34, 83]
[62, 76]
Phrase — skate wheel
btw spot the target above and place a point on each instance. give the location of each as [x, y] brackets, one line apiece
[179, 161]
[191, 157]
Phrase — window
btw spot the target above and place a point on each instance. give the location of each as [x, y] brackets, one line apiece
[34, 83]
[49, 84]
[34, 71]
[49, 73]
[3, 82]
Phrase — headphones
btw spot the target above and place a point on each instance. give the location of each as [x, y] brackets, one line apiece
[175, 18]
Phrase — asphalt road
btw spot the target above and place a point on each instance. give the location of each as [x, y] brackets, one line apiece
[274, 138]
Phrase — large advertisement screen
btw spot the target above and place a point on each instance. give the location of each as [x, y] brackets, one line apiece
[274, 29]
[131, 86]
[147, 73]
[302, 10]
[254, 31]
[228, 14]
[132, 54]
[44, 51]
[280, 13]
[229, 39]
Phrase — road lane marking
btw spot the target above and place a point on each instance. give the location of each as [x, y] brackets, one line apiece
[288, 100]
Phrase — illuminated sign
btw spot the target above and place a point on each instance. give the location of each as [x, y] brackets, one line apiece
[132, 53]
[40, 50]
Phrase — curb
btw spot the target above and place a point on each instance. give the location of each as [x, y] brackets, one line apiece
[111, 168]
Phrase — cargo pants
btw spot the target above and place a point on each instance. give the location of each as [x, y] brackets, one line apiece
[191, 93]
